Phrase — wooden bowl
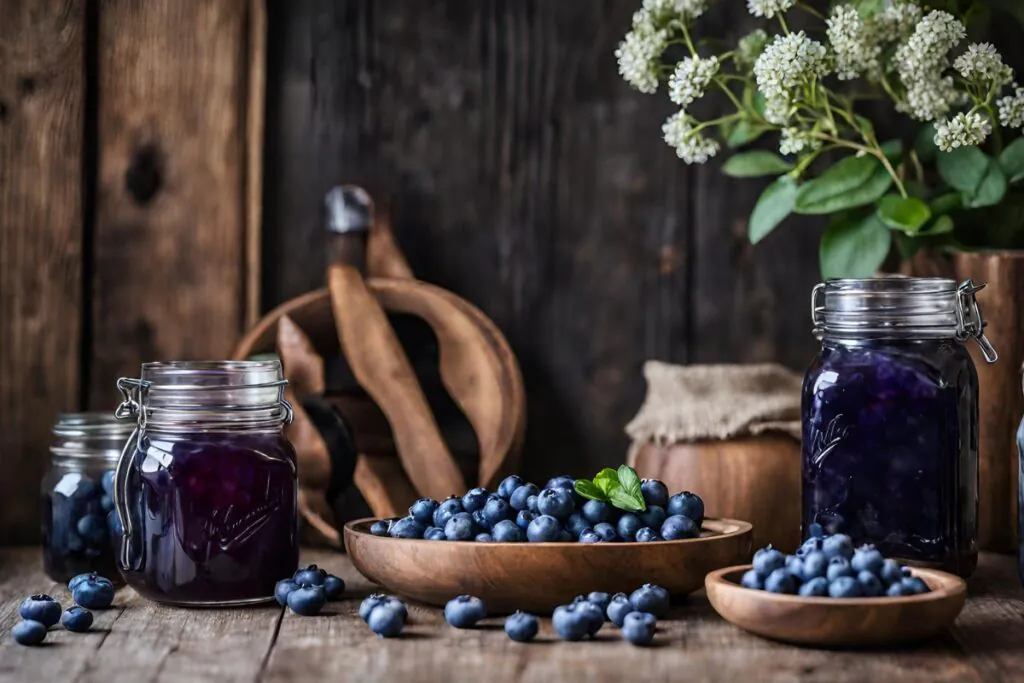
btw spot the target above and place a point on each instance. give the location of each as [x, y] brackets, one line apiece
[838, 622]
[537, 577]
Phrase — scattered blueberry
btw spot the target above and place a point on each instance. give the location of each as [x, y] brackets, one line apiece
[571, 622]
[679, 527]
[606, 531]
[41, 608]
[77, 619]
[838, 566]
[767, 560]
[523, 519]
[781, 581]
[520, 497]
[815, 588]
[368, 603]
[459, 527]
[334, 587]
[522, 627]
[845, 587]
[407, 527]
[646, 535]
[628, 525]
[508, 486]
[498, 509]
[654, 516]
[435, 534]
[475, 499]
[618, 607]
[655, 492]
[543, 529]
[639, 627]
[686, 504]
[445, 510]
[484, 538]
[312, 575]
[94, 594]
[652, 599]
[751, 579]
[838, 545]
[506, 531]
[593, 614]
[588, 536]
[870, 585]
[283, 588]
[307, 600]
[600, 599]
[867, 558]
[597, 511]
[423, 511]
[28, 632]
[380, 527]
[464, 611]
[73, 583]
[386, 621]
[556, 502]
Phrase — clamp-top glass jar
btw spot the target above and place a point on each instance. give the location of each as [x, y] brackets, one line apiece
[206, 487]
[78, 518]
[890, 418]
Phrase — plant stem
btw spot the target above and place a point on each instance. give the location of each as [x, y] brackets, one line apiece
[874, 151]
[810, 10]
[689, 43]
[722, 119]
[730, 94]
[785, 26]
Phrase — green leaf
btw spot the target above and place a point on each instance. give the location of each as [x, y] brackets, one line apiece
[924, 144]
[744, 133]
[755, 164]
[629, 480]
[940, 226]
[624, 501]
[607, 480]
[944, 203]
[893, 150]
[852, 182]
[907, 214]
[775, 203]
[992, 188]
[864, 124]
[964, 168]
[1012, 160]
[589, 489]
[854, 246]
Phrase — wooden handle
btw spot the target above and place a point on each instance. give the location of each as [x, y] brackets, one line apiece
[384, 258]
[348, 218]
[380, 365]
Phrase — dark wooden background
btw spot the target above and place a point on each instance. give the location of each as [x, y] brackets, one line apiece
[526, 177]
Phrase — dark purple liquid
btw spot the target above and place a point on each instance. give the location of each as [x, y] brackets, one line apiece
[890, 449]
[214, 517]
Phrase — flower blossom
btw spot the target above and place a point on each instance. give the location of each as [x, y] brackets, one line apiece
[691, 77]
[1011, 109]
[751, 46]
[963, 130]
[855, 50]
[663, 11]
[768, 8]
[895, 22]
[982, 64]
[795, 141]
[788, 63]
[690, 145]
[639, 55]
[920, 63]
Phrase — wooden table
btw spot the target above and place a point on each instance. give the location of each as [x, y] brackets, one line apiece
[140, 641]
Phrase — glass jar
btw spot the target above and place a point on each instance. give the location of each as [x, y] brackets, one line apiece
[206, 487]
[78, 518]
[890, 418]
[1020, 492]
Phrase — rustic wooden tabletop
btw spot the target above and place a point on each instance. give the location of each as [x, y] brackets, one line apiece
[138, 640]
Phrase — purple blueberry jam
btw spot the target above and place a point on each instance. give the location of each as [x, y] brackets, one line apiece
[890, 448]
[214, 517]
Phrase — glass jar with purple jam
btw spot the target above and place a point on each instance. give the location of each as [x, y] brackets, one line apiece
[78, 517]
[890, 418]
[206, 487]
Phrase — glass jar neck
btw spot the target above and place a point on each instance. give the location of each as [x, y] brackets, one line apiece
[88, 439]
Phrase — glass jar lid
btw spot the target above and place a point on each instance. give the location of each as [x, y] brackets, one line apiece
[898, 306]
[99, 436]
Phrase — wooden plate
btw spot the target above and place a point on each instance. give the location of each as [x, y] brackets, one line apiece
[537, 577]
[838, 622]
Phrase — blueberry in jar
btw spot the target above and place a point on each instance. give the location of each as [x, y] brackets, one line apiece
[475, 499]
[571, 622]
[313, 575]
[507, 532]
[386, 621]
[283, 588]
[41, 608]
[423, 510]
[464, 611]
[654, 492]
[28, 632]
[650, 598]
[639, 627]
[556, 502]
[519, 500]
[618, 607]
[508, 486]
[544, 529]
[94, 594]
[77, 619]
[628, 525]
[678, 527]
[307, 600]
[686, 504]
[522, 627]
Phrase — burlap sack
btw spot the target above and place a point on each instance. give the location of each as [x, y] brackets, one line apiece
[702, 402]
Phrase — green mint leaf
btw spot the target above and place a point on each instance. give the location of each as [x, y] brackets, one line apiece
[631, 485]
[625, 501]
[606, 480]
[589, 489]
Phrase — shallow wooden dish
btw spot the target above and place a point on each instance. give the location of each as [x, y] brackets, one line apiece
[831, 622]
[537, 577]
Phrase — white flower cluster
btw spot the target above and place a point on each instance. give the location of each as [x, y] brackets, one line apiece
[855, 50]
[963, 130]
[769, 8]
[691, 77]
[895, 22]
[794, 141]
[662, 11]
[921, 61]
[639, 55]
[751, 46]
[788, 63]
[982, 64]
[1011, 109]
[690, 145]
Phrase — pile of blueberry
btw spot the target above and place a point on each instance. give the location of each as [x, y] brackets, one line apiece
[519, 511]
[829, 566]
[40, 612]
[309, 589]
[78, 523]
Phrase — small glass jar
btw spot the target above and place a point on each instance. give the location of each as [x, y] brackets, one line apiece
[206, 487]
[1020, 492]
[78, 517]
[890, 418]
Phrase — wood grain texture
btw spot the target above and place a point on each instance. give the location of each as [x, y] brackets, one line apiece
[42, 89]
[143, 642]
[171, 217]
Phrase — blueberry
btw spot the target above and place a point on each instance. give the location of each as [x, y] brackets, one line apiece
[686, 504]
[678, 527]
[646, 534]
[544, 529]
[654, 491]
[506, 531]
[845, 587]
[481, 521]
[435, 533]
[914, 586]
[571, 622]
[307, 600]
[459, 527]
[576, 524]
[380, 527]
[94, 594]
[385, 621]
[523, 519]
[531, 505]
[445, 510]
[556, 502]
[484, 538]
[498, 509]
[312, 575]
[781, 581]
[815, 588]
[867, 558]
[870, 584]
[593, 614]
[890, 572]
[107, 482]
[639, 627]
[650, 598]
[407, 527]
[475, 499]
[795, 566]
[767, 560]
[654, 516]
[815, 530]
[562, 482]
[464, 611]
[74, 542]
[423, 510]
[600, 599]
[838, 545]
[588, 536]
[92, 528]
[41, 608]
[809, 546]
[282, 589]
[838, 566]
[618, 607]
[522, 627]
[509, 485]
[597, 511]
[368, 603]
[751, 579]
[391, 602]
[606, 531]
[628, 525]
[106, 503]
[334, 587]
[85, 577]
[518, 499]
[77, 619]
[897, 590]
[28, 632]
[815, 564]
[565, 537]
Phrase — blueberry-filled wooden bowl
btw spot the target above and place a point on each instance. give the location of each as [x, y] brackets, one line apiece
[537, 577]
[838, 622]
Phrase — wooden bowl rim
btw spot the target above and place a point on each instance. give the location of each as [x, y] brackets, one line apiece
[956, 587]
[736, 528]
